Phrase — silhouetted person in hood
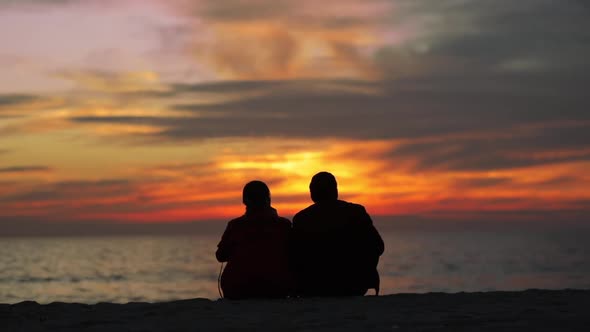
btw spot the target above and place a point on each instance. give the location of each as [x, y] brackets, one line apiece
[256, 247]
[336, 248]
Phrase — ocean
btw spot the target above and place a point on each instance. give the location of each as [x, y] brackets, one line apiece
[162, 268]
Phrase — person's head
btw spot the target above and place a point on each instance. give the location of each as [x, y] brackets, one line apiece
[256, 194]
[323, 187]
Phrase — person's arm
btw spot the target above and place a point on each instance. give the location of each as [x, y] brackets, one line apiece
[295, 255]
[290, 260]
[224, 247]
[293, 246]
[373, 237]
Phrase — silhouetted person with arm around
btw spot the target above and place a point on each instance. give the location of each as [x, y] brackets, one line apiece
[335, 247]
[256, 248]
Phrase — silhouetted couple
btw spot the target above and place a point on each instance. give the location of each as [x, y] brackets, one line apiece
[332, 249]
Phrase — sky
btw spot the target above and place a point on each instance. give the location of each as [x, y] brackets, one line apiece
[160, 111]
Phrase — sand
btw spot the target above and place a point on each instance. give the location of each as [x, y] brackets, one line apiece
[533, 310]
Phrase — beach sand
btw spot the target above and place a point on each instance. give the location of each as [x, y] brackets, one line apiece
[532, 310]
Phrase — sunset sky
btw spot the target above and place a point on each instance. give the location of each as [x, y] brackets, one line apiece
[161, 110]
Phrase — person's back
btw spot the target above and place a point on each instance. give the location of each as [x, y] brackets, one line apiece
[336, 248]
[255, 247]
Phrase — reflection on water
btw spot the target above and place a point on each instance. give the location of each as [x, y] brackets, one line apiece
[114, 269]
[472, 261]
[123, 269]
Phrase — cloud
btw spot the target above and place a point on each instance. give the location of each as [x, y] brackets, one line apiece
[549, 144]
[9, 101]
[383, 39]
[112, 82]
[443, 100]
[19, 108]
[43, 4]
[263, 39]
[396, 109]
[223, 87]
[484, 36]
[73, 191]
[517, 121]
[559, 181]
[75, 200]
[9, 3]
[481, 182]
[306, 12]
[24, 169]
[47, 2]
[278, 51]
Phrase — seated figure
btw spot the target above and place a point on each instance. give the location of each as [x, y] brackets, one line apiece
[256, 249]
[335, 246]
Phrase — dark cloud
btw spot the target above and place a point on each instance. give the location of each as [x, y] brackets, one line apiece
[335, 15]
[406, 109]
[496, 121]
[236, 10]
[113, 199]
[236, 86]
[521, 148]
[24, 169]
[7, 101]
[486, 84]
[481, 182]
[73, 190]
[492, 35]
[429, 36]
[559, 181]
[582, 3]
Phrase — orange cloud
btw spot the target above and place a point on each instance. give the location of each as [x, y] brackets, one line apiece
[263, 39]
[212, 190]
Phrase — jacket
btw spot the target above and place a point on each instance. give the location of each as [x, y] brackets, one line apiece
[256, 247]
[335, 250]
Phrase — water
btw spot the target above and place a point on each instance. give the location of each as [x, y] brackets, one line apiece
[124, 269]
